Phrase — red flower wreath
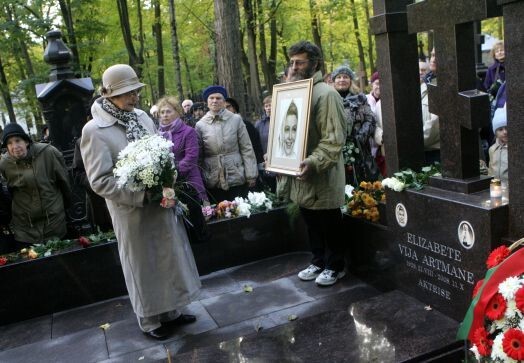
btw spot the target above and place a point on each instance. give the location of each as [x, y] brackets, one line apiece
[498, 255]
[513, 344]
[496, 307]
[519, 299]
[482, 341]
[477, 287]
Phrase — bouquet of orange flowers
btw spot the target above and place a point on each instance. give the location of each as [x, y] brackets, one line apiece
[364, 201]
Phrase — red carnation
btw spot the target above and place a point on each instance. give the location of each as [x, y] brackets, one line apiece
[519, 299]
[482, 341]
[3, 261]
[477, 287]
[496, 307]
[84, 241]
[496, 256]
[513, 344]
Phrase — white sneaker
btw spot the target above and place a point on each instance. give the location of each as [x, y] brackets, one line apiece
[329, 277]
[309, 273]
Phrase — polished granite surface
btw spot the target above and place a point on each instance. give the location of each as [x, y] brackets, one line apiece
[283, 319]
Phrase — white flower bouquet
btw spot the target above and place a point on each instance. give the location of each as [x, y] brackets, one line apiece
[148, 164]
[255, 202]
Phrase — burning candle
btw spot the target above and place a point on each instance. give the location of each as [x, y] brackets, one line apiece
[495, 189]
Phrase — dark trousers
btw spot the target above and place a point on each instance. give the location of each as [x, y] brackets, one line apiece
[326, 245]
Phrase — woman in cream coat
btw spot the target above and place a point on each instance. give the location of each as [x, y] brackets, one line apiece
[157, 261]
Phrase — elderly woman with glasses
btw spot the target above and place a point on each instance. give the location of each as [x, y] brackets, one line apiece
[158, 265]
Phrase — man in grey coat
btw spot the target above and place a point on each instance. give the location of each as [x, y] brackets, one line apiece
[157, 261]
[319, 188]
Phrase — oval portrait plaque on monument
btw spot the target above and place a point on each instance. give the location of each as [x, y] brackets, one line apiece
[401, 215]
[466, 234]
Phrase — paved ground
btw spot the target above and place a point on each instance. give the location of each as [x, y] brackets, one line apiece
[283, 319]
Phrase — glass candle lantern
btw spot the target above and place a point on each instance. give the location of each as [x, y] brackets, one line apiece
[495, 189]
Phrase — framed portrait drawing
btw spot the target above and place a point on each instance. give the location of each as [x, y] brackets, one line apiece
[288, 127]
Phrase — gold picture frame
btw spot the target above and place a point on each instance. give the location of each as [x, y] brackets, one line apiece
[288, 127]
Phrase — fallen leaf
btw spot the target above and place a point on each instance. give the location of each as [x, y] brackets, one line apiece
[248, 288]
[292, 317]
[105, 326]
[428, 308]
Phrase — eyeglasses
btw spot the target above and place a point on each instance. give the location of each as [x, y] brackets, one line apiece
[297, 62]
[134, 92]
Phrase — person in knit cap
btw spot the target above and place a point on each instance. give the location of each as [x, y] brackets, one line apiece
[359, 161]
[498, 152]
[229, 164]
[37, 178]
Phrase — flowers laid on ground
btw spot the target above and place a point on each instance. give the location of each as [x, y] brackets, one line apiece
[255, 202]
[55, 245]
[494, 324]
[410, 179]
[364, 200]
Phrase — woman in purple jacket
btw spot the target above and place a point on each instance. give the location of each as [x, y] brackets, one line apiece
[186, 150]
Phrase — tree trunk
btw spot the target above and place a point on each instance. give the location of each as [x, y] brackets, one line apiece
[361, 56]
[191, 94]
[370, 39]
[157, 31]
[5, 93]
[176, 50]
[227, 30]
[65, 8]
[123, 15]
[268, 64]
[254, 80]
[315, 29]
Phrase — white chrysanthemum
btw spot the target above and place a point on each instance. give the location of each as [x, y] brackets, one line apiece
[509, 287]
[475, 351]
[498, 325]
[348, 190]
[511, 311]
[244, 209]
[256, 199]
[141, 162]
[394, 184]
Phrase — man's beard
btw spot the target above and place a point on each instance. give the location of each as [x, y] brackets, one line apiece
[301, 74]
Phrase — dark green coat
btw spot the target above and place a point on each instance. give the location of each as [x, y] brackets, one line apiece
[40, 191]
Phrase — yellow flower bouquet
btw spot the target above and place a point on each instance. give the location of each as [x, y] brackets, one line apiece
[365, 199]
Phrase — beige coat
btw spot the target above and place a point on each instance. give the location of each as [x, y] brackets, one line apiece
[228, 156]
[157, 261]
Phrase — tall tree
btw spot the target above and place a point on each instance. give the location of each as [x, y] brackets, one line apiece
[229, 53]
[157, 32]
[254, 80]
[268, 63]
[134, 59]
[315, 29]
[362, 58]
[370, 39]
[176, 50]
[65, 9]
[4, 86]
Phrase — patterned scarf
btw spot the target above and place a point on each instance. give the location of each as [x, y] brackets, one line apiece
[134, 129]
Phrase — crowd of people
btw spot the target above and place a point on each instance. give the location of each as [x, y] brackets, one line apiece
[219, 156]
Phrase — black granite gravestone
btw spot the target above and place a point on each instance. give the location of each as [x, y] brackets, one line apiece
[442, 234]
[513, 12]
[65, 102]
